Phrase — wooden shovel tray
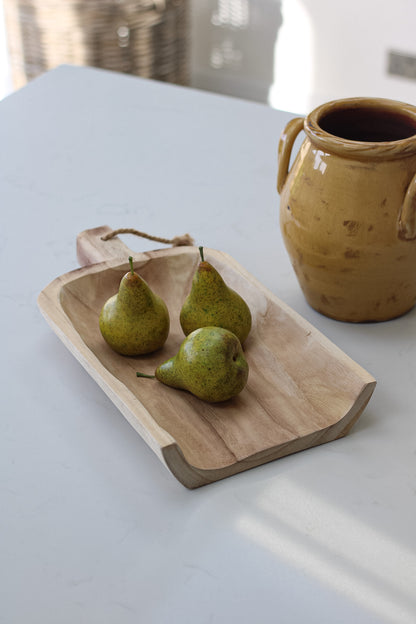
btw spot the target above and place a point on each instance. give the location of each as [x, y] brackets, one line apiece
[302, 390]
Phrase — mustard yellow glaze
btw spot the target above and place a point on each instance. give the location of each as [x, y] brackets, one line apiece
[348, 208]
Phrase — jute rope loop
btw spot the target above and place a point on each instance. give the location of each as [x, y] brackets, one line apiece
[177, 241]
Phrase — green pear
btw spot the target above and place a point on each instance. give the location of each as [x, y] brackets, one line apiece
[210, 364]
[212, 303]
[135, 320]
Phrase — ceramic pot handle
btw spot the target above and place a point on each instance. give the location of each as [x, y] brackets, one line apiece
[407, 218]
[287, 138]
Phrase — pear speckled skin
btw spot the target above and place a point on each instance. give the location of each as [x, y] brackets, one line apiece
[135, 321]
[210, 364]
[212, 303]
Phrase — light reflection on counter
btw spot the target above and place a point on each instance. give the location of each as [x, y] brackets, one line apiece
[336, 549]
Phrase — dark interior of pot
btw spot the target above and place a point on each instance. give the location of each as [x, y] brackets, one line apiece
[368, 124]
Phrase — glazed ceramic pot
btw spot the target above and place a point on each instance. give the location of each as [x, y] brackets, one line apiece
[348, 207]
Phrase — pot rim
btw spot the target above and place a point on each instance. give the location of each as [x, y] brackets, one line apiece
[372, 150]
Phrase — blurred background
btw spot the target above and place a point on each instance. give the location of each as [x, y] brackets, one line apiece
[288, 54]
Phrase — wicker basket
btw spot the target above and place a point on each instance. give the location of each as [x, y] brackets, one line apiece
[148, 38]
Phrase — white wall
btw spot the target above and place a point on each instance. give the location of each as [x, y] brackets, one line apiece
[340, 49]
[293, 54]
[301, 53]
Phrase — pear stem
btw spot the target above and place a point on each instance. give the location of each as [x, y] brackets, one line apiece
[131, 265]
[144, 375]
[201, 253]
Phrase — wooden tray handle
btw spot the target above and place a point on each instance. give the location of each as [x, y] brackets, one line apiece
[91, 247]
[101, 243]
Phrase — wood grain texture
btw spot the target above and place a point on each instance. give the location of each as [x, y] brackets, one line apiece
[302, 390]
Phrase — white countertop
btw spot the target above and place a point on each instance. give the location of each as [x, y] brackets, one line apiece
[93, 528]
